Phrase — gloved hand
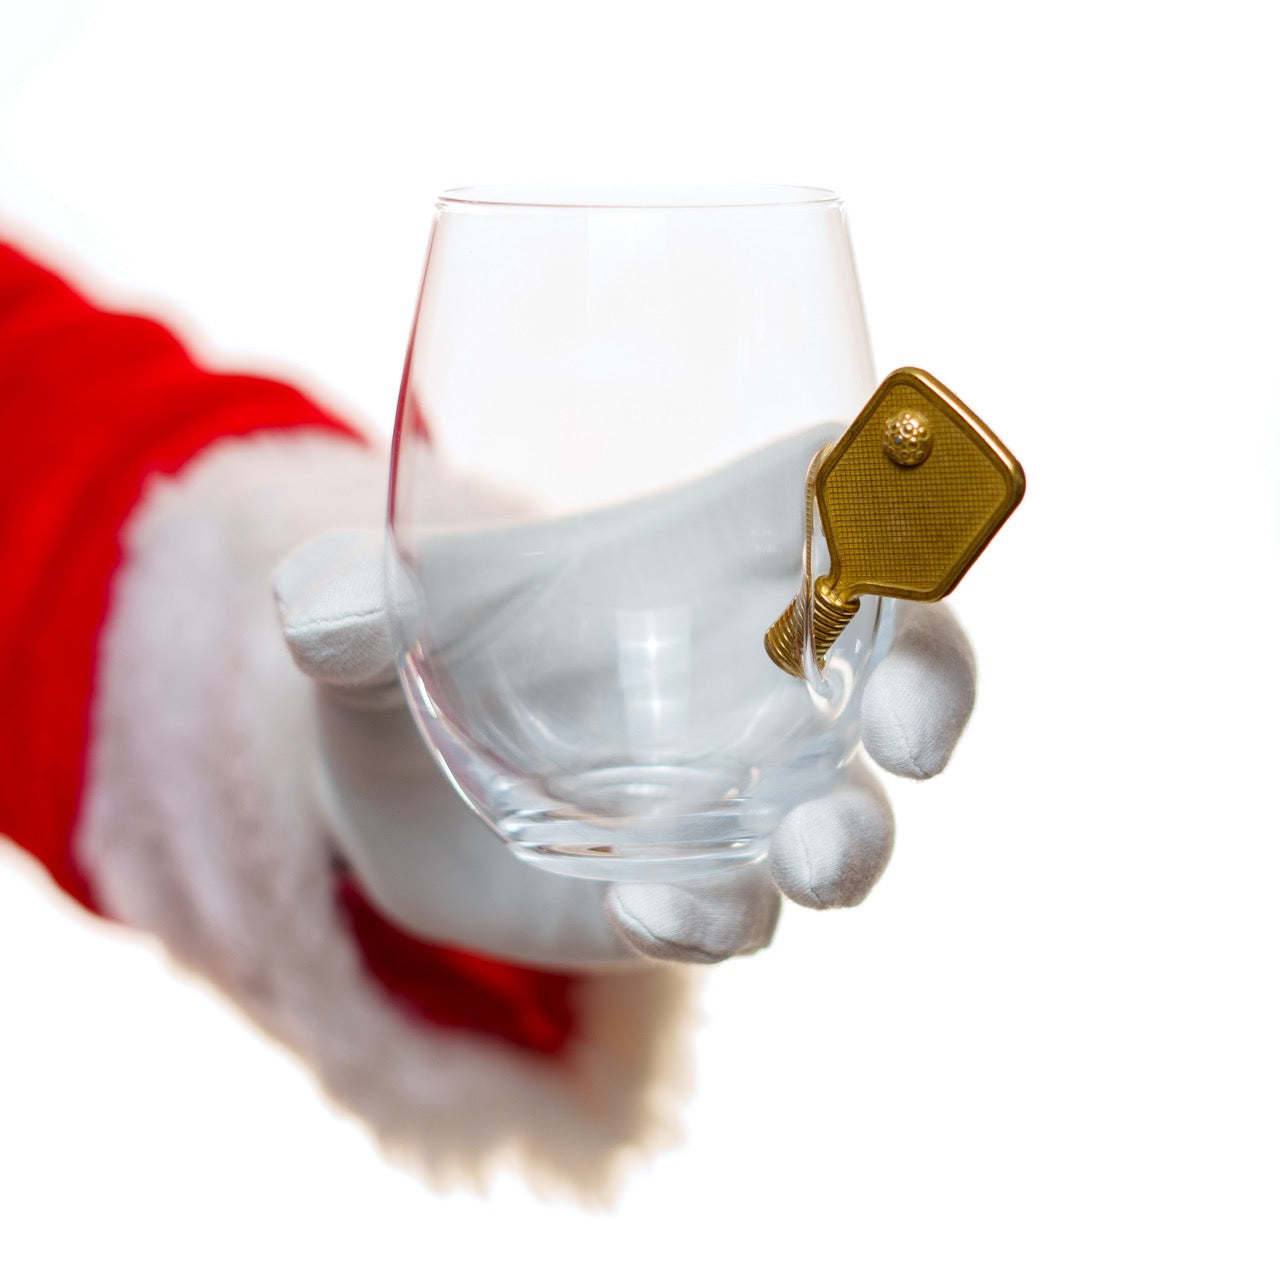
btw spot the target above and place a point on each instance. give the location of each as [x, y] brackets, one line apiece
[178, 797]
[433, 867]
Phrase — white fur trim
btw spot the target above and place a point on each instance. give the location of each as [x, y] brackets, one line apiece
[199, 825]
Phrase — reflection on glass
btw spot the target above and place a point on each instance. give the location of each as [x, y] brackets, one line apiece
[632, 388]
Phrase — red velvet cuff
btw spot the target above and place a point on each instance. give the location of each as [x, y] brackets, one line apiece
[451, 987]
[92, 404]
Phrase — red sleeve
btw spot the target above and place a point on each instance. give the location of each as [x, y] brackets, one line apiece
[91, 403]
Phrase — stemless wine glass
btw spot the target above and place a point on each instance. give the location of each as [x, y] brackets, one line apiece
[622, 391]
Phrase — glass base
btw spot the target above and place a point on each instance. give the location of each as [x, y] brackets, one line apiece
[637, 864]
[663, 816]
[692, 822]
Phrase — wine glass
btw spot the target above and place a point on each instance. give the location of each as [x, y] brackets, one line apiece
[598, 506]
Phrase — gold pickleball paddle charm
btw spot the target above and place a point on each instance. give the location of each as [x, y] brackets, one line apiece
[908, 498]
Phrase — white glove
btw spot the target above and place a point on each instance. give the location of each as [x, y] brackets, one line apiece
[433, 867]
[201, 826]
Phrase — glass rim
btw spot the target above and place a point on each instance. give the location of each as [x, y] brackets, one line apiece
[584, 196]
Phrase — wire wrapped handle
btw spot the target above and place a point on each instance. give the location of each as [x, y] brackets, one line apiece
[817, 615]
[817, 612]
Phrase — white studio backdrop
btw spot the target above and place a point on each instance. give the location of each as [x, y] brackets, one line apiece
[1047, 1044]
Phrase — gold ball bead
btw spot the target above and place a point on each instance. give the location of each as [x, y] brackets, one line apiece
[907, 439]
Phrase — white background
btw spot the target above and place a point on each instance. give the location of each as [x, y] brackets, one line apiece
[1047, 1046]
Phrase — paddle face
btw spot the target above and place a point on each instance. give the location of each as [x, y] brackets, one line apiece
[911, 494]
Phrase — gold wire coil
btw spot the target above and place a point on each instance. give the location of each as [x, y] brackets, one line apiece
[785, 640]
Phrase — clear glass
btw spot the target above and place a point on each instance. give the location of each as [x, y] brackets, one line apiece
[598, 508]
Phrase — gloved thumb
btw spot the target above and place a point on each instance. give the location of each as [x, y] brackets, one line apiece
[331, 603]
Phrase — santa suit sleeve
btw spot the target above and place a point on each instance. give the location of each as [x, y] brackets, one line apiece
[150, 757]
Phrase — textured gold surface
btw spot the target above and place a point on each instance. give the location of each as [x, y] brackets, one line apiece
[913, 532]
[908, 498]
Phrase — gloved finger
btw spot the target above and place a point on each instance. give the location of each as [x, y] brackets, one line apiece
[918, 700]
[331, 603]
[697, 921]
[831, 851]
